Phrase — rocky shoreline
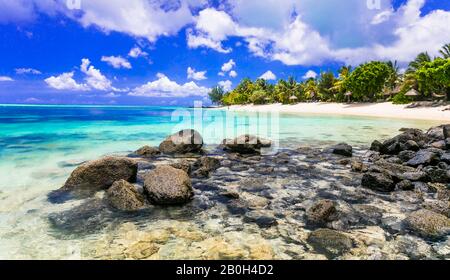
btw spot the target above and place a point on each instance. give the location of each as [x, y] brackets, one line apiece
[182, 201]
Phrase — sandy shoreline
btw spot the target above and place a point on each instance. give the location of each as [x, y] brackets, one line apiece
[381, 110]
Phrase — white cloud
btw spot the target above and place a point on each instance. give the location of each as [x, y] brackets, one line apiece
[65, 81]
[22, 71]
[195, 41]
[137, 52]
[193, 75]
[5, 79]
[139, 18]
[310, 74]
[233, 74]
[117, 62]
[94, 78]
[269, 75]
[111, 95]
[228, 65]
[164, 87]
[291, 31]
[226, 85]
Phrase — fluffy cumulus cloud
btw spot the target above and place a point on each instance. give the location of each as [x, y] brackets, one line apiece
[5, 79]
[65, 81]
[194, 75]
[137, 52]
[307, 32]
[117, 62]
[233, 74]
[268, 76]
[22, 71]
[226, 85]
[310, 75]
[295, 32]
[164, 87]
[93, 80]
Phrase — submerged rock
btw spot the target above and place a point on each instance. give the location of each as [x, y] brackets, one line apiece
[98, 175]
[428, 224]
[87, 218]
[184, 142]
[246, 144]
[343, 149]
[124, 196]
[167, 186]
[321, 212]
[263, 218]
[330, 242]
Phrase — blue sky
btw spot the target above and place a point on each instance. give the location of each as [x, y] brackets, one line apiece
[142, 52]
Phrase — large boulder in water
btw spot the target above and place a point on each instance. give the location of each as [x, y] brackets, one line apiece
[246, 144]
[167, 185]
[184, 142]
[97, 175]
[428, 224]
[343, 149]
[321, 212]
[330, 242]
[124, 196]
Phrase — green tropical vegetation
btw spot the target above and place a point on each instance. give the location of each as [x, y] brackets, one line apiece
[426, 77]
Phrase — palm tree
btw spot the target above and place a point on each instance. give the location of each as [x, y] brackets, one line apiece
[445, 51]
[286, 89]
[344, 73]
[395, 76]
[420, 60]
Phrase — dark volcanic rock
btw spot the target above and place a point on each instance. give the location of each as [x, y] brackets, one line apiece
[446, 158]
[147, 152]
[405, 185]
[378, 182]
[183, 165]
[98, 175]
[124, 196]
[343, 149]
[184, 142]
[437, 175]
[246, 144]
[87, 218]
[263, 218]
[330, 242]
[321, 212]
[167, 186]
[204, 166]
[376, 146]
[428, 224]
[406, 155]
[424, 157]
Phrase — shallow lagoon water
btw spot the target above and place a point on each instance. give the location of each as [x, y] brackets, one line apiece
[41, 145]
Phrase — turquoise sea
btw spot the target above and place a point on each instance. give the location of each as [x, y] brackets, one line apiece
[40, 145]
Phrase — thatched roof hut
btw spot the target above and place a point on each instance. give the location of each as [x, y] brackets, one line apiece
[412, 92]
[293, 97]
[348, 93]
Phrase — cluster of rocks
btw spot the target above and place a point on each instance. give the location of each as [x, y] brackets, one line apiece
[338, 202]
[163, 185]
[414, 161]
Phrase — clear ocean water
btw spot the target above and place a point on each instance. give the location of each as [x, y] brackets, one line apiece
[40, 145]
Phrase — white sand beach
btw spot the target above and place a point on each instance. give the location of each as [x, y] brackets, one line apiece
[382, 110]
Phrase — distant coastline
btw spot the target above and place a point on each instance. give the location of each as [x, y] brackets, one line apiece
[380, 110]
